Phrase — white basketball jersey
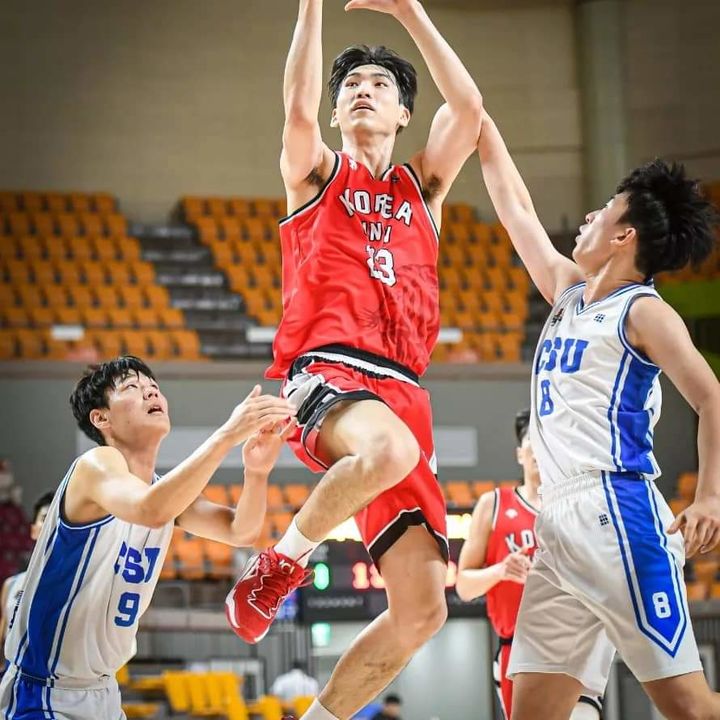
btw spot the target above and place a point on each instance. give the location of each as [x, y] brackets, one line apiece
[595, 399]
[85, 589]
[13, 597]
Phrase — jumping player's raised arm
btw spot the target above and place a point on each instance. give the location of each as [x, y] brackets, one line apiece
[455, 129]
[241, 525]
[551, 271]
[103, 483]
[306, 161]
[474, 578]
[654, 328]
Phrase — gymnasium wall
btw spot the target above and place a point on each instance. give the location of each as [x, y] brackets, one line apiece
[673, 94]
[38, 433]
[155, 100]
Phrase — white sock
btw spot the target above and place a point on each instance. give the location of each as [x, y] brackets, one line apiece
[296, 546]
[317, 712]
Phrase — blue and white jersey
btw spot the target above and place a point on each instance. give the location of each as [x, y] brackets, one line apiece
[15, 589]
[85, 589]
[595, 398]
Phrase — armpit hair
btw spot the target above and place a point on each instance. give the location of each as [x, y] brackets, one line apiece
[315, 178]
[431, 188]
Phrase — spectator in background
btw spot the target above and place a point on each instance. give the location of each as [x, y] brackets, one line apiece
[12, 587]
[390, 709]
[295, 683]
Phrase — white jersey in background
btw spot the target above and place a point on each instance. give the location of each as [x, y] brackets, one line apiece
[85, 589]
[595, 399]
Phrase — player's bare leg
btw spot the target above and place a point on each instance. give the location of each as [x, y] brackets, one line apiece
[684, 697]
[369, 449]
[550, 696]
[414, 574]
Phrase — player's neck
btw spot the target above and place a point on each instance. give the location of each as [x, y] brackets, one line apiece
[529, 492]
[607, 279]
[141, 461]
[372, 151]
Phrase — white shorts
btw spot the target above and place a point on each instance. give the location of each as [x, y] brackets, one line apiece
[607, 576]
[22, 698]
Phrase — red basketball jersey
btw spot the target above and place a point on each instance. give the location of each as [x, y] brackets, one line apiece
[513, 526]
[360, 269]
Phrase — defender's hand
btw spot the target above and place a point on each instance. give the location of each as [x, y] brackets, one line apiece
[261, 451]
[255, 412]
[516, 566]
[700, 525]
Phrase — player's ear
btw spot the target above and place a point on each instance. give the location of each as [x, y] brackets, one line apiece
[99, 418]
[405, 116]
[625, 235]
[333, 118]
[518, 455]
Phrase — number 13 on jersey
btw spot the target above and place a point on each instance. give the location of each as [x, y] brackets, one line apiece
[381, 265]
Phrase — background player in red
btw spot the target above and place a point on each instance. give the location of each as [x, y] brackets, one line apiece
[360, 319]
[496, 558]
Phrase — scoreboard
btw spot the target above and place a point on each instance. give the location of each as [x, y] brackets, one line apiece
[348, 586]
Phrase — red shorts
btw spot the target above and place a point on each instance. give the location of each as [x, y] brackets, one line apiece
[320, 379]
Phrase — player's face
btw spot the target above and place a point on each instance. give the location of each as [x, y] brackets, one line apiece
[369, 102]
[36, 527]
[526, 460]
[392, 710]
[601, 235]
[137, 410]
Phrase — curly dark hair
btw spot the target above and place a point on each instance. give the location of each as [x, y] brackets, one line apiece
[90, 393]
[404, 73]
[673, 220]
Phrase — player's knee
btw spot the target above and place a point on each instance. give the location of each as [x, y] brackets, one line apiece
[417, 625]
[389, 460]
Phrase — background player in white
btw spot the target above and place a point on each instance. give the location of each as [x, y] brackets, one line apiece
[12, 587]
[99, 555]
[609, 572]
[496, 558]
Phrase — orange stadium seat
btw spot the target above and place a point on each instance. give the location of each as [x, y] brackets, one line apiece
[17, 272]
[7, 296]
[81, 248]
[44, 272]
[120, 318]
[280, 521]
[171, 318]
[157, 296]
[686, 485]
[107, 342]
[105, 249]
[19, 223]
[91, 224]
[135, 342]
[169, 569]
[93, 272]
[56, 202]
[81, 296]
[275, 498]
[129, 248]
[115, 224]
[43, 223]
[106, 296]
[30, 343]
[217, 207]
[68, 272]
[104, 203]
[699, 591]
[144, 317]
[118, 272]
[30, 247]
[7, 345]
[143, 272]
[68, 224]
[30, 295]
[67, 315]
[8, 202]
[56, 248]
[15, 317]
[95, 317]
[190, 555]
[480, 487]
[217, 494]
[41, 316]
[192, 208]
[131, 296]
[220, 559]
[160, 347]
[240, 207]
[188, 344]
[79, 202]
[459, 493]
[296, 494]
[230, 228]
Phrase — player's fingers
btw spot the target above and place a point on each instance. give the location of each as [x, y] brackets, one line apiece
[271, 401]
[525, 549]
[356, 5]
[712, 541]
[677, 523]
[254, 392]
[704, 533]
[691, 540]
[288, 430]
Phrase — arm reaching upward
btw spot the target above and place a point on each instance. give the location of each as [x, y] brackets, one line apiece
[305, 159]
[454, 132]
[551, 271]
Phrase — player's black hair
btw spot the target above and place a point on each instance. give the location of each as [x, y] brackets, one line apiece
[403, 71]
[90, 393]
[43, 501]
[522, 424]
[674, 222]
[299, 665]
[392, 699]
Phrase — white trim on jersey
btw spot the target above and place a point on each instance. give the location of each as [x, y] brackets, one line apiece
[496, 507]
[621, 328]
[416, 182]
[361, 365]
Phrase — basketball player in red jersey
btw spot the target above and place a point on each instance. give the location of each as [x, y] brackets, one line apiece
[360, 319]
[496, 558]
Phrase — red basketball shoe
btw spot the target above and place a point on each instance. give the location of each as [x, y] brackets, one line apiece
[252, 604]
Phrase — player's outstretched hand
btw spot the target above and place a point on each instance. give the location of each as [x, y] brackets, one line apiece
[516, 566]
[391, 7]
[700, 526]
[261, 451]
[255, 412]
